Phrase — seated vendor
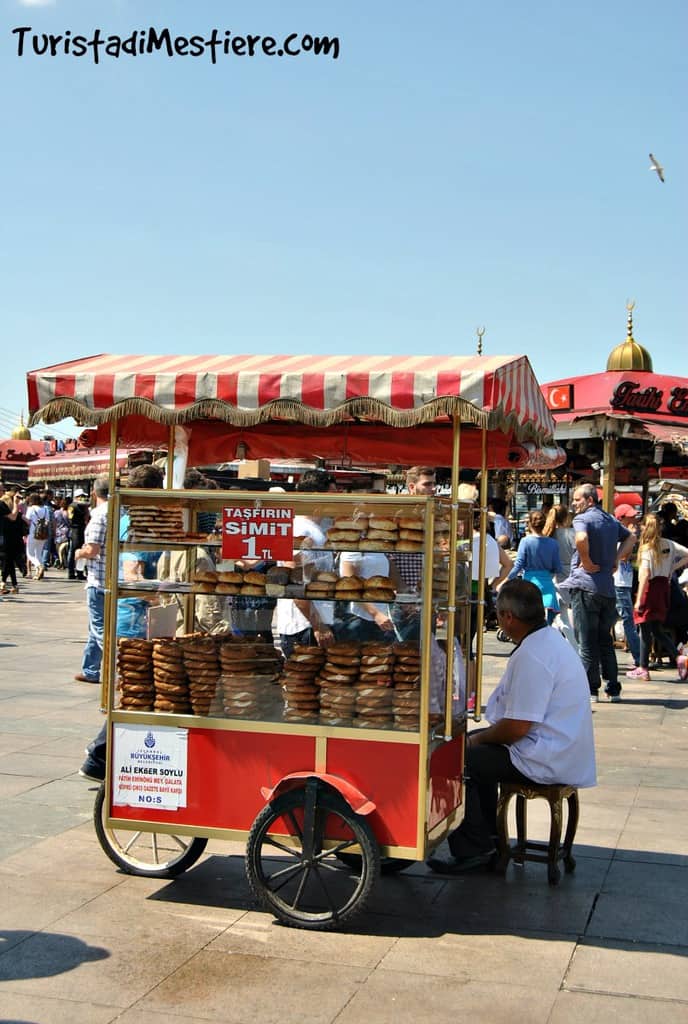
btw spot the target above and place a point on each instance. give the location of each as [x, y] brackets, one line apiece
[541, 732]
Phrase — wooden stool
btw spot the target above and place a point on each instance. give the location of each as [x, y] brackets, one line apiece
[546, 853]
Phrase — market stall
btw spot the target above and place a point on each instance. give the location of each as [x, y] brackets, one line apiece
[339, 754]
[624, 426]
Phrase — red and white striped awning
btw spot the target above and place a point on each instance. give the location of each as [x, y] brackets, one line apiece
[495, 392]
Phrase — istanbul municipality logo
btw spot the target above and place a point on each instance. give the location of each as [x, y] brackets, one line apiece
[150, 741]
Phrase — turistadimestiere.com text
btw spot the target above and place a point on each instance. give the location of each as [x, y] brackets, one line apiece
[217, 45]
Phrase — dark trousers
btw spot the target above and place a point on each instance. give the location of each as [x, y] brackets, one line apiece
[593, 621]
[650, 631]
[486, 765]
[8, 567]
[97, 748]
[288, 641]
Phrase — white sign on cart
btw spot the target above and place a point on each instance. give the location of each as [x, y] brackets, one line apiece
[150, 766]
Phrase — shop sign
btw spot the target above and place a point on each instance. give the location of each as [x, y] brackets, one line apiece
[629, 397]
[150, 767]
[265, 533]
[536, 488]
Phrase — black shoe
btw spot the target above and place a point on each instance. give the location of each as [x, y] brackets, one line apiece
[92, 770]
[460, 865]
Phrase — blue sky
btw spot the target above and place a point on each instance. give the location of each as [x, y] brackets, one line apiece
[458, 165]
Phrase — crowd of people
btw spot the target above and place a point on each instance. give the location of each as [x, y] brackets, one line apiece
[613, 568]
[39, 531]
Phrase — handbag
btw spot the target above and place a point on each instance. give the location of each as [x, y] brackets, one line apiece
[40, 530]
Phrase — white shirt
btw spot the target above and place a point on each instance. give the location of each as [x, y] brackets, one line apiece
[669, 553]
[491, 557]
[289, 619]
[545, 683]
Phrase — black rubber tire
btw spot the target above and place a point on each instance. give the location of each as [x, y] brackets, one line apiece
[388, 865]
[323, 894]
[169, 855]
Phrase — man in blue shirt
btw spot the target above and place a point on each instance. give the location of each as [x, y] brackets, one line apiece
[600, 541]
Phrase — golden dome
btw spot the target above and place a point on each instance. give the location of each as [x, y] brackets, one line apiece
[21, 433]
[629, 355]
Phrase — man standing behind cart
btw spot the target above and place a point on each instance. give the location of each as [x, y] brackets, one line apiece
[93, 550]
[407, 566]
[300, 621]
[541, 732]
[601, 541]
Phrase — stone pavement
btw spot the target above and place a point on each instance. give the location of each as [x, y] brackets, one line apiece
[84, 944]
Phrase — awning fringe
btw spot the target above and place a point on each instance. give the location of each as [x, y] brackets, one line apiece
[288, 410]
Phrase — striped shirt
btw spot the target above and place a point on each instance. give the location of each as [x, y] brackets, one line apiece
[95, 533]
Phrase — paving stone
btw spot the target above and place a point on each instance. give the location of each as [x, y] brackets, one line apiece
[632, 969]
[17, 1007]
[392, 997]
[115, 972]
[592, 1008]
[232, 988]
[638, 919]
[258, 934]
[543, 959]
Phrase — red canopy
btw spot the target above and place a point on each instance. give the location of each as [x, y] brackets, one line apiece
[491, 391]
[334, 405]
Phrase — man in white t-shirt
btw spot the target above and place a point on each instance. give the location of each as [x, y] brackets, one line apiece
[300, 621]
[542, 726]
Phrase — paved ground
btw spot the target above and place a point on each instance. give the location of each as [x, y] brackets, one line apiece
[84, 944]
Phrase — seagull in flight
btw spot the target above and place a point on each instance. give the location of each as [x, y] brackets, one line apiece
[656, 166]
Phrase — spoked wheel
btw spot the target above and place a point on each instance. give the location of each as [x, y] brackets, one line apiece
[293, 859]
[388, 865]
[151, 854]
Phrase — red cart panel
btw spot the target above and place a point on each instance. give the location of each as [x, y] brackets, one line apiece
[225, 775]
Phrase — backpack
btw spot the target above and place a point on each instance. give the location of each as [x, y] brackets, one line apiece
[40, 530]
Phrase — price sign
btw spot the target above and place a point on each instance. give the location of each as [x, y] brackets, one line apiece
[249, 532]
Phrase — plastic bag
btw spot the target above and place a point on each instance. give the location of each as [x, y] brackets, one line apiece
[438, 672]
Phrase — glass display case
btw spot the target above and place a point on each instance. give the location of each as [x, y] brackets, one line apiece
[310, 610]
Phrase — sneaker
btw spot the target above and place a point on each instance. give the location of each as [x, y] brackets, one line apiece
[595, 697]
[92, 770]
[615, 698]
[81, 678]
[639, 673]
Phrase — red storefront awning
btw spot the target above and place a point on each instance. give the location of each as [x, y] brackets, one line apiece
[641, 403]
[75, 466]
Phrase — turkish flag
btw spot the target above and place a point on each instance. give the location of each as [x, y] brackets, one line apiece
[560, 397]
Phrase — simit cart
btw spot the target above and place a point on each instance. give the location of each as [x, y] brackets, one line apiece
[324, 803]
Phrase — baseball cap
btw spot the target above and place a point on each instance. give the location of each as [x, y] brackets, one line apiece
[625, 511]
[78, 493]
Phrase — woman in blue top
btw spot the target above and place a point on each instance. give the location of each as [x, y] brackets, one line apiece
[537, 560]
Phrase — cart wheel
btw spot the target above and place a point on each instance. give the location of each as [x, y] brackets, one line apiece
[388, 865]
[294, 877]
[151, 854]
